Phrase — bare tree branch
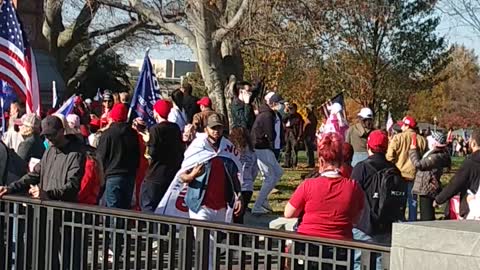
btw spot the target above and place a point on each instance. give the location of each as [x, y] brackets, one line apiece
[220, 34]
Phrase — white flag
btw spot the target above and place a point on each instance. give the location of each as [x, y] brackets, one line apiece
[389, 122]
[54, 95]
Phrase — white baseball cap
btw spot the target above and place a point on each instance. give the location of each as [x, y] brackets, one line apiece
[365, 113]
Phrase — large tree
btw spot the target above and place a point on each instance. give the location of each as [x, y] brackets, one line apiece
[86, 26]
[455, 97]
[205, 27]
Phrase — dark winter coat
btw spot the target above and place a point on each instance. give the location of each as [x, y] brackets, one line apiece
[429, 171]
[293, 126]
[118, 150]
[467, 178]
[242, 114]
[59, 172]
[263, 129]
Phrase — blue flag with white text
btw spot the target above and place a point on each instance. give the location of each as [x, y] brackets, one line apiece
[147, 92]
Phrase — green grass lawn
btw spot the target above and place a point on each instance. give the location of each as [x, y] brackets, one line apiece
[292, 178]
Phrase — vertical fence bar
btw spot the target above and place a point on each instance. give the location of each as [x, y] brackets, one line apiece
[186, 252]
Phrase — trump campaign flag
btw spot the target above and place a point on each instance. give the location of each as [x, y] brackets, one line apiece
[17, 62]
[147, 92]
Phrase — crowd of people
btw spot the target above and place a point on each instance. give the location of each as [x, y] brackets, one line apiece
[364, 179]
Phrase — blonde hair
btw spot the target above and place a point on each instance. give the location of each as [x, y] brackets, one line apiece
[26, 131]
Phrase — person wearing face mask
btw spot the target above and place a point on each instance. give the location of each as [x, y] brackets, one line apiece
[277, 104]
[266, 137]
[165, 154]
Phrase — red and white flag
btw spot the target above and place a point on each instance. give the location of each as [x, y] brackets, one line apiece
[17, 62]
[389, 122]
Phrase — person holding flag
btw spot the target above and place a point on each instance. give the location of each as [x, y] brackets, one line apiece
[164, 150]
[145, 95]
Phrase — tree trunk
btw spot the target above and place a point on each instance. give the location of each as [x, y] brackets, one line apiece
[210, 63]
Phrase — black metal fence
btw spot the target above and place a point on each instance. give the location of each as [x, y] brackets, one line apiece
[55, 235]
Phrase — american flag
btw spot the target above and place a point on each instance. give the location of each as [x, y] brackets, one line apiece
[17, 62]
[336, 99]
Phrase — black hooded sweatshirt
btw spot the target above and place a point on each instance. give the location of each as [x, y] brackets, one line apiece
[118, 150]
[467, 178]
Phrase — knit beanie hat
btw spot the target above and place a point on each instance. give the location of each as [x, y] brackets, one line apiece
[439, 138]
[163, 107]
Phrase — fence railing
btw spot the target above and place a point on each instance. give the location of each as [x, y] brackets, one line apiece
[54, 235]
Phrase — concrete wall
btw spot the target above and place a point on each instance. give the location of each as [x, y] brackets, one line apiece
[439, 245]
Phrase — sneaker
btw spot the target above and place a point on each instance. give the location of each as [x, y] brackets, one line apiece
[266, 206]
[259, 211]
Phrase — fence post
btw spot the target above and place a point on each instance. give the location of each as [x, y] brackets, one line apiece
[187, 243]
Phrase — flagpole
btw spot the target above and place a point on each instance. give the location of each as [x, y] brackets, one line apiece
[3, 116]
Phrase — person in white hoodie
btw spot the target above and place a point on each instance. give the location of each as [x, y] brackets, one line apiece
[177, 114]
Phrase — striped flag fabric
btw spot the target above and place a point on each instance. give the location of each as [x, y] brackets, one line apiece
[67, 106]
[336, 99]
[17, 62]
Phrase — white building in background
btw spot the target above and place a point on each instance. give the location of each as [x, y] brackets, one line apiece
[167, 69]
[170, 73]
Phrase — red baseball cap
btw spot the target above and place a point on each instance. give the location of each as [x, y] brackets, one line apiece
[378, 141]
[205, 101]
[163, 107]
[119, 113]
[408, 121]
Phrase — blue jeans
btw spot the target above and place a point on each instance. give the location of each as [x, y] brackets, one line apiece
[119, 191]
[361, 236]
[358, 157]
[411, 202]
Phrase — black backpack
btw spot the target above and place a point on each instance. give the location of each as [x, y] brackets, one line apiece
[386, 193]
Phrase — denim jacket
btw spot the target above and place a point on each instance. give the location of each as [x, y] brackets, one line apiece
[197, 188]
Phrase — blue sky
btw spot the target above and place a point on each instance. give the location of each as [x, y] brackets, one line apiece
[454, 32]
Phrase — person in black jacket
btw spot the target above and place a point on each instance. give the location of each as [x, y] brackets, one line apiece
[377, 144]
[165, 154]
[118, 153]
[429, 171]
[293, 122]
[263, 137]
[242, 109]
[189, 102]
[466, 178]
[309, 131]
[58, 175]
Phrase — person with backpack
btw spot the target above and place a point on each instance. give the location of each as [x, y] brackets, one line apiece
[429, 171]
[385, 195]
[383, 185]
